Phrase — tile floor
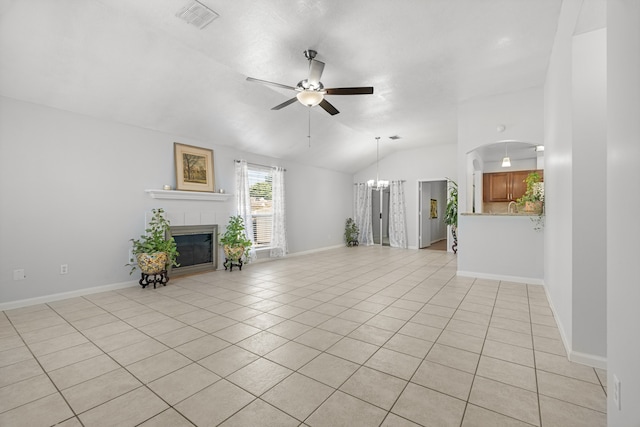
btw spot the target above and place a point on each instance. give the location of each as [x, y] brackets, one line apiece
[365, 336]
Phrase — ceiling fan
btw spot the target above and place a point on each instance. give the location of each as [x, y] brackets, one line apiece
[311, 91]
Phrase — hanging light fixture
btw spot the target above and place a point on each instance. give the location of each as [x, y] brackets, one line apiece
[506, 161]
[378, 184]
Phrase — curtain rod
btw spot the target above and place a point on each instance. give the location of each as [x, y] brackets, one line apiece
[257, 164]
[363, 183]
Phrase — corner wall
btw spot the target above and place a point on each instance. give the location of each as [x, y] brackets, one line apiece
[575, 171]
[623, 227]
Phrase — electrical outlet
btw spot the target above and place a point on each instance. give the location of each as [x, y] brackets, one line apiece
[19, 274]
[64, 269]
[616, 393]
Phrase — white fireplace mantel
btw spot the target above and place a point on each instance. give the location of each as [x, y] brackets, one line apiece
[188, 195]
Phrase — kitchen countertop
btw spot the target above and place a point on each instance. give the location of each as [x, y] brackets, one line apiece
[500, 214]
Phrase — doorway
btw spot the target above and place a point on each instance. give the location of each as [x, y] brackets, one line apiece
[380, 216]
[432, 200]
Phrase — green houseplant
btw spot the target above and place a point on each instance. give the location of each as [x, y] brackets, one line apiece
[153, 252]
[235, 243]
[451, 213]
[351, 232]
[534, 195]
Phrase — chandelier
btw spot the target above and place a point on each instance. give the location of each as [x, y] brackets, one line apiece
[378, 184]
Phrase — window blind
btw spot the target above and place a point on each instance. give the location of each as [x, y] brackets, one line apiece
[260, 193]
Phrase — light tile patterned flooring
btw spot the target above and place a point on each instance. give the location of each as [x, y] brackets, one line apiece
[362, 336]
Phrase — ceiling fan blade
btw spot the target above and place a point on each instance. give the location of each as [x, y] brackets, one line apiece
[350, 91]
[328, 107]
[315, 71]
[251, 79]
[285, 103]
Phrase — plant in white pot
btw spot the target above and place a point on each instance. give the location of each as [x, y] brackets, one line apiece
[533, 197]
[153, 252]
[235, 243]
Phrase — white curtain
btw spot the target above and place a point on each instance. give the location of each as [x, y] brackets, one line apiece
[278, 225]
[244, 202]
[397, 216]
[362, 213]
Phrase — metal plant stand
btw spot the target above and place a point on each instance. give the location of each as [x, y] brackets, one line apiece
[229, 263]
[154, 278]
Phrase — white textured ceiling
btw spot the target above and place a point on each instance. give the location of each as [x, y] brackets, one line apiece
[133, 61]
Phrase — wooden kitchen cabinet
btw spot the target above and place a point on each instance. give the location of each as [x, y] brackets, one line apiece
[505, 186]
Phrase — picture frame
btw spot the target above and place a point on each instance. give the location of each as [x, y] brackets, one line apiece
[434, 208]
[194, 168]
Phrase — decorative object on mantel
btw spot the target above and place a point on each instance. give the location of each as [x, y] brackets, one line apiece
[351, 232]
[167, 188]
[235, 243]
[194, 168]
[153, 252]
[451, 213]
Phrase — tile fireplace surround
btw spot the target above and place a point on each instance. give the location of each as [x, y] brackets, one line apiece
[364, 336]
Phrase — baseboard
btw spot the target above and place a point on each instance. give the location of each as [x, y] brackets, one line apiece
[575, 356]
[502, 277]
[588, 359]
[64, 295]
[313, 251]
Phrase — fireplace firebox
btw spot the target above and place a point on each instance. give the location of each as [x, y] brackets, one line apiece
[197, 245]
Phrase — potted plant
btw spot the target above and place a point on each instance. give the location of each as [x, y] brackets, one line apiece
[351, 232]
[153, 252]
[451, 213]
[235, 243]
[534, 194]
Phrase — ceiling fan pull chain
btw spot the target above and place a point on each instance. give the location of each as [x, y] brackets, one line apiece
[309, 134]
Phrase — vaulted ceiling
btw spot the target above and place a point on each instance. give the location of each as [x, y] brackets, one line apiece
[135, 62]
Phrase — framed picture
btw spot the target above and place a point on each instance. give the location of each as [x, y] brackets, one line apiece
[194, 168]
[434, 208]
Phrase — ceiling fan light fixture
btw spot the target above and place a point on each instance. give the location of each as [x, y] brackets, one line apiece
[310, 98]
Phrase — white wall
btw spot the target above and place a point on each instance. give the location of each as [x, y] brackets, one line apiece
[520, 112]
[589, 97]
[575, 171]
[73, 193]
[623, 227]
[557, 173]
[500, 247]
[424, 164]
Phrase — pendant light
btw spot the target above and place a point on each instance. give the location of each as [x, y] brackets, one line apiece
[506, 161]
[378, 184]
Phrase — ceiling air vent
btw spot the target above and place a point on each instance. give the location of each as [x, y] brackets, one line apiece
[195, 13]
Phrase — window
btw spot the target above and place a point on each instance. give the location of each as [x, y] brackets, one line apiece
[260, 180]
